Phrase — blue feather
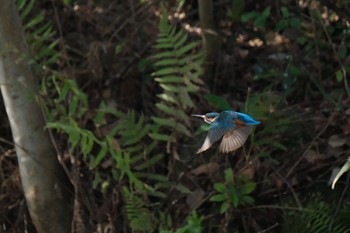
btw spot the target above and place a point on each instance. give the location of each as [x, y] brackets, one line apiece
[223, 125]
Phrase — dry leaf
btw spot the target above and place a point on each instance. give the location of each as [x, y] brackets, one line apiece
[336, 141]
[312, 156]
[208, 168]
[195, 199]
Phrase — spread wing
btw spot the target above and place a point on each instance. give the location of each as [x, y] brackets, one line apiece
[216, 132]
[234, 139]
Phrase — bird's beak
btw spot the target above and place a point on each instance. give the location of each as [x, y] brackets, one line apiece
[200, 116]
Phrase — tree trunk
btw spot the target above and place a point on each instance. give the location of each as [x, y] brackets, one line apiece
[210, 38]
[45, 186]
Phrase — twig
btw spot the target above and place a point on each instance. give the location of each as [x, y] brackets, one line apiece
[311, 145]
[269, 228]
[7, 142]
[276, 207]
[290, 187]
[60, 32]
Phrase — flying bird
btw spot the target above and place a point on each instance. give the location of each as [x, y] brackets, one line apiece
[233, 127]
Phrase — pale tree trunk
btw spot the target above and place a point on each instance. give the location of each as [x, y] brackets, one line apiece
[46, 190]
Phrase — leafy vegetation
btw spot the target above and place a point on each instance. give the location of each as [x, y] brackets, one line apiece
[126, 133]
[234, 192]
[178, 74]
[319, 216]
[41, 36]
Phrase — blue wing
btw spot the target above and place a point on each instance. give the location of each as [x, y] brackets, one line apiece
[233, 135]
[222, 125]
[247, 120]
[238, 136]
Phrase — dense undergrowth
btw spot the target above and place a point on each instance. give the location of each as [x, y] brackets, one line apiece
[118, 94]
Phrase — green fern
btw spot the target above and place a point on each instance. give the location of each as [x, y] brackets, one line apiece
[317, 217]
[139, 216]
[40, 34]
[177, 72]
[125, 142]
[267, 107]
[193, 225]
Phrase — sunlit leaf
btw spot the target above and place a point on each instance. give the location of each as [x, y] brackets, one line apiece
[345, 168]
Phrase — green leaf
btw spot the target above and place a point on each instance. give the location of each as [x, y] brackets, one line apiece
[183, 189]
[169, 79]
[220, 187]
[150, 147]
[168, 97]
[157, 194]
[156, 177]
[166, 71]
[260, 21]
[229, 175]
[295, 23]
[150, 162]
[234, 197]
[342, 52]
[63, 92]
[88, 144]
[166, 54]
[285, 12]
[248, 200]
[170, 88]
[161, 137]
[249, 16]
[73, 137]
[166, 109]
[101, 154]
[181, 41]
[185, 98]
[97, 180]
[186, 49]
[27, 9]
[248, 188]
[163, 46]
[167, 62]
[339, 75]
[163, 39]
[38, 19]
[237, 7]
[266, 12]
[218, 198]
[224, 207]
[163, 25]
[182, 129]
[73, 105]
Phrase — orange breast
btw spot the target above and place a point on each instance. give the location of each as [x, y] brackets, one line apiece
[239, 123]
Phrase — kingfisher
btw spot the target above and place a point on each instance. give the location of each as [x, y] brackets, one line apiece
[233, 127]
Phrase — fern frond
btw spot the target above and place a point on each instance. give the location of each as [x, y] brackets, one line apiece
[40, 34]
[178, 72]
[139, 216]
[318, 217]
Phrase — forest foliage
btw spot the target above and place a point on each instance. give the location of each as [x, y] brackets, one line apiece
[123, 125]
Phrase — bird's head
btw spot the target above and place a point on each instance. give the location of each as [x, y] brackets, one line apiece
[209, 117]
